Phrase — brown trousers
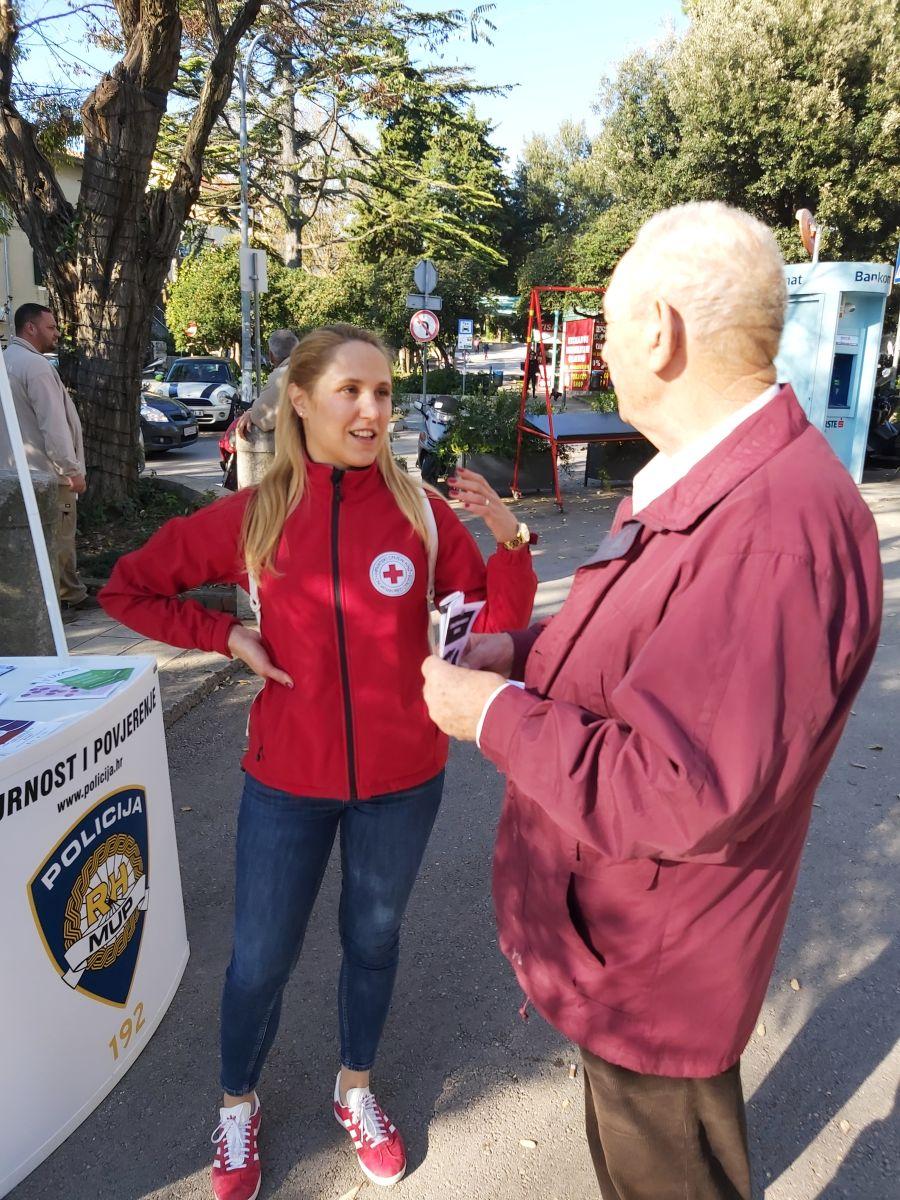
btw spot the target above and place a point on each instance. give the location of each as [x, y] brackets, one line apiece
[656, 1138]
[71, 589]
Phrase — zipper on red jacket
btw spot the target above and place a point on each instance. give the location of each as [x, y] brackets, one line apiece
[337, 476]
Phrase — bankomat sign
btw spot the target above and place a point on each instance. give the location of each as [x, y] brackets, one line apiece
[849, 276]
[879, 277]
[90, 895]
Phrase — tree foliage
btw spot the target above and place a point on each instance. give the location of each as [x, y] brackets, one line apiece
[436, 186]
[207, 293]
[147, 125]
[771, 105]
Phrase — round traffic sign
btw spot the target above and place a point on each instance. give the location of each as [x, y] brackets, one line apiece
[424, 325]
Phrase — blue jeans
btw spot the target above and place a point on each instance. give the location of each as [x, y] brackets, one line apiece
[283, 846]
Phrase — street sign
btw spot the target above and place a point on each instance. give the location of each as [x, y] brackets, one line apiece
[425, 274]
[464, 341]
[417, 300]
[254, 276]
[465, 326]
[896, 278]
[424, 325]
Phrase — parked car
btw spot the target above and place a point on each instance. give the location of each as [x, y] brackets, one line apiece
[166, 424]
[206, 385]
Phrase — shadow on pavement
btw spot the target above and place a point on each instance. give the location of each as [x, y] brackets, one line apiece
[823, 1067]
[879, 1142]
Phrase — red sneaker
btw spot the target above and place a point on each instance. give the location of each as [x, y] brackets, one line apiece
[236, 1173]
[379, 1146]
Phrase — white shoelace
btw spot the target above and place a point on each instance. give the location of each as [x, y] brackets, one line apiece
[236, 1136]
[371, 1119]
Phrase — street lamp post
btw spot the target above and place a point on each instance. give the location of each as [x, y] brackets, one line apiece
[243, 70]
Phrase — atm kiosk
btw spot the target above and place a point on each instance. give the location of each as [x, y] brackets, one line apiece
[829, 349]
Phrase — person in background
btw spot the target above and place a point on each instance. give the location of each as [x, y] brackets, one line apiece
[264, 408]
[678, 713]
[534, 369]
[345, 550]
[51, 432]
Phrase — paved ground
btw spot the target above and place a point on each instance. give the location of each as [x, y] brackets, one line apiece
[465, 1077]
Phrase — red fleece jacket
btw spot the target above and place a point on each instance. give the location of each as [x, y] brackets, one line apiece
[345, 615]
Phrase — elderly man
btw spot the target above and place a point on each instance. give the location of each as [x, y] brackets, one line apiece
[677, 714]
[51, 431]
[263, 411]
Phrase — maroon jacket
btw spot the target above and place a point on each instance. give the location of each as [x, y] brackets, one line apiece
[678, 715]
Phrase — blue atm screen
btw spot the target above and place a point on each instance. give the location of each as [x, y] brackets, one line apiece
[842, 371]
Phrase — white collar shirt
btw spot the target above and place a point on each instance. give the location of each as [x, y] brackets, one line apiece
[664, 470]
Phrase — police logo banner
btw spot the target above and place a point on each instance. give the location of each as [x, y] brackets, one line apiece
[90, 895]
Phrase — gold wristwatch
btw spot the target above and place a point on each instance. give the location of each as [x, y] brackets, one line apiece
[522, 538]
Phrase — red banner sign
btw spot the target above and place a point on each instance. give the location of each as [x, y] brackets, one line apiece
[578, 344]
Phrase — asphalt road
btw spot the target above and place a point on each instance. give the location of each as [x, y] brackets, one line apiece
[464, 1077]
[196, 464]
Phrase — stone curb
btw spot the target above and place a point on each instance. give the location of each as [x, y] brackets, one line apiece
[196, 686]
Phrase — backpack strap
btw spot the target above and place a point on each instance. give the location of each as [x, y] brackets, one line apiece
[254, 595]
[431, 525]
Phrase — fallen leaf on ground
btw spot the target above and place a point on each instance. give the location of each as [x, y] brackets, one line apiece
[844, 1125]
[760, 1030]
[875, 746]
[528, 1144]
[186, 808]
[795, 984]
[862, 766]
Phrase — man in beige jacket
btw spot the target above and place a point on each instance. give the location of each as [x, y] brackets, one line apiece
[265, 407]
[51, 431]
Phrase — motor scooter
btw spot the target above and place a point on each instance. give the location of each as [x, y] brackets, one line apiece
[883, 441]
[439, 413]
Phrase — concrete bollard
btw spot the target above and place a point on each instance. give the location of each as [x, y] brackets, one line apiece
[24, 624]
[254, 457]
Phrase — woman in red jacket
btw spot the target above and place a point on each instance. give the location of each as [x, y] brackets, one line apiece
[342, 545]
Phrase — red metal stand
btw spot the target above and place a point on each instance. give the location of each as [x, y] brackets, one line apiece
[536, 317]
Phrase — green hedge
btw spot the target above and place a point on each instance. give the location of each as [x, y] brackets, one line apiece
[486, 424]
[446, 380]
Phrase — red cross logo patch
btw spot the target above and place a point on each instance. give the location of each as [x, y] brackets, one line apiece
[392, 574]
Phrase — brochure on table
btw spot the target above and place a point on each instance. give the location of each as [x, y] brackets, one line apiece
[94, 942]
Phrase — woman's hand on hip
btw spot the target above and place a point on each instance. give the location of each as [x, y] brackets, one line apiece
[477, 496]
[247, 645]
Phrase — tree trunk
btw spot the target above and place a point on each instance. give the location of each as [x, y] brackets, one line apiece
[106, 260]
[292, 201]
[120, 272]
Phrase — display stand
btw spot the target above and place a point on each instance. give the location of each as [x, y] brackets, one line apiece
[94, 942]
[564, 428]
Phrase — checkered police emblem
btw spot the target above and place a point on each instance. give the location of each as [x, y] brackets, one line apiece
[392, 574]
[89, 897]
